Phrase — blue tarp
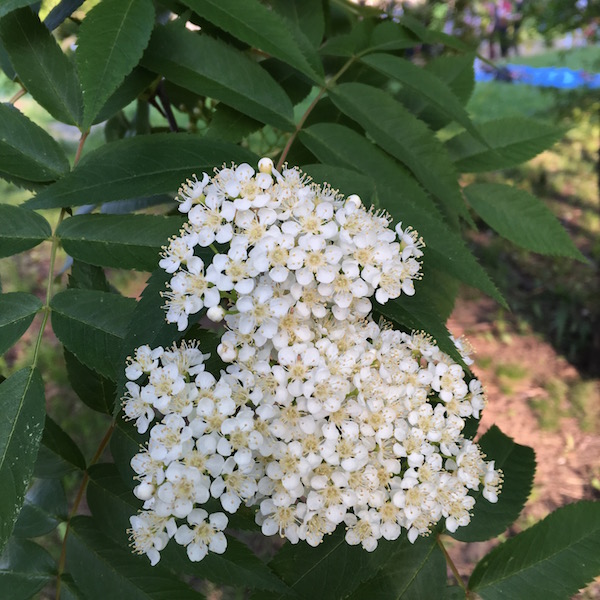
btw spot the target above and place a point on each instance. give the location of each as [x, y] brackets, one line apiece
[555, 77]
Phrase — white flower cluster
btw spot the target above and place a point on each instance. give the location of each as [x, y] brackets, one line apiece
[322, 417]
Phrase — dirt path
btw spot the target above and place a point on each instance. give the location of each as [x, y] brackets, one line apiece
[529, 387]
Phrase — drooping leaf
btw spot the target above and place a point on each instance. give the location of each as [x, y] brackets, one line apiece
[138, 166]
[21, 229]
[306, 15]
[401, 134]
[17, 310]
[229, 76]
[426, 84]
[25, 568]
[120, 241]
[402, 197]
[26, 150]
[93, 557]
[552, 559]
[111, 41]
[511, 141]
[10, 5]
[95, 391]
[44, 508]
[58, 454]
[253, 23]
[412, 572]
[41, 65]
[517, 464]
[521, 218]
[92, 325]
[21, 426]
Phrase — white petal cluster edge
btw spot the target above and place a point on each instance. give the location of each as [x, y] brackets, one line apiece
[320, 416]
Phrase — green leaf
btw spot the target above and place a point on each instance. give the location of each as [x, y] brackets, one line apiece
[69, 591]
[457, 72]
[415, 315]
[518, 468]
[58, 454]
[95, 391]
[133, 85]
[433, 36]
[511, 141]
[521, 218]
[399, 194]
[445, 249]
[44, 508]
[26, 150]
[92, 325]
[17, 310]
[552, 559]
[230, 125]
[412, 572]
[351, 43]
[229, 76]
[21, 229]
[46, 72]
[23, 410]
[111, 41]
[426, 84]
[306, 15]
[120, 241]
[25, 568]
[138, 166]
[253, 23]
[345, 180]
[10, 5]
[334, 567]
[401, 134]
[389, 36]
[238, 566]
[87, 277]
[111, 501]
[125, 443]
[92, 558]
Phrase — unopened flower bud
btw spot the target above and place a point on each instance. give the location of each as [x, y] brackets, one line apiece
[144, 491]
[265, 165]
[215, 313]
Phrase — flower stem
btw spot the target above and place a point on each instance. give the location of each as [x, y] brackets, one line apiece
[53, 251]
[18, 95]
[84, 135]
[307, 112]
[452, 566]
[78, 498]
